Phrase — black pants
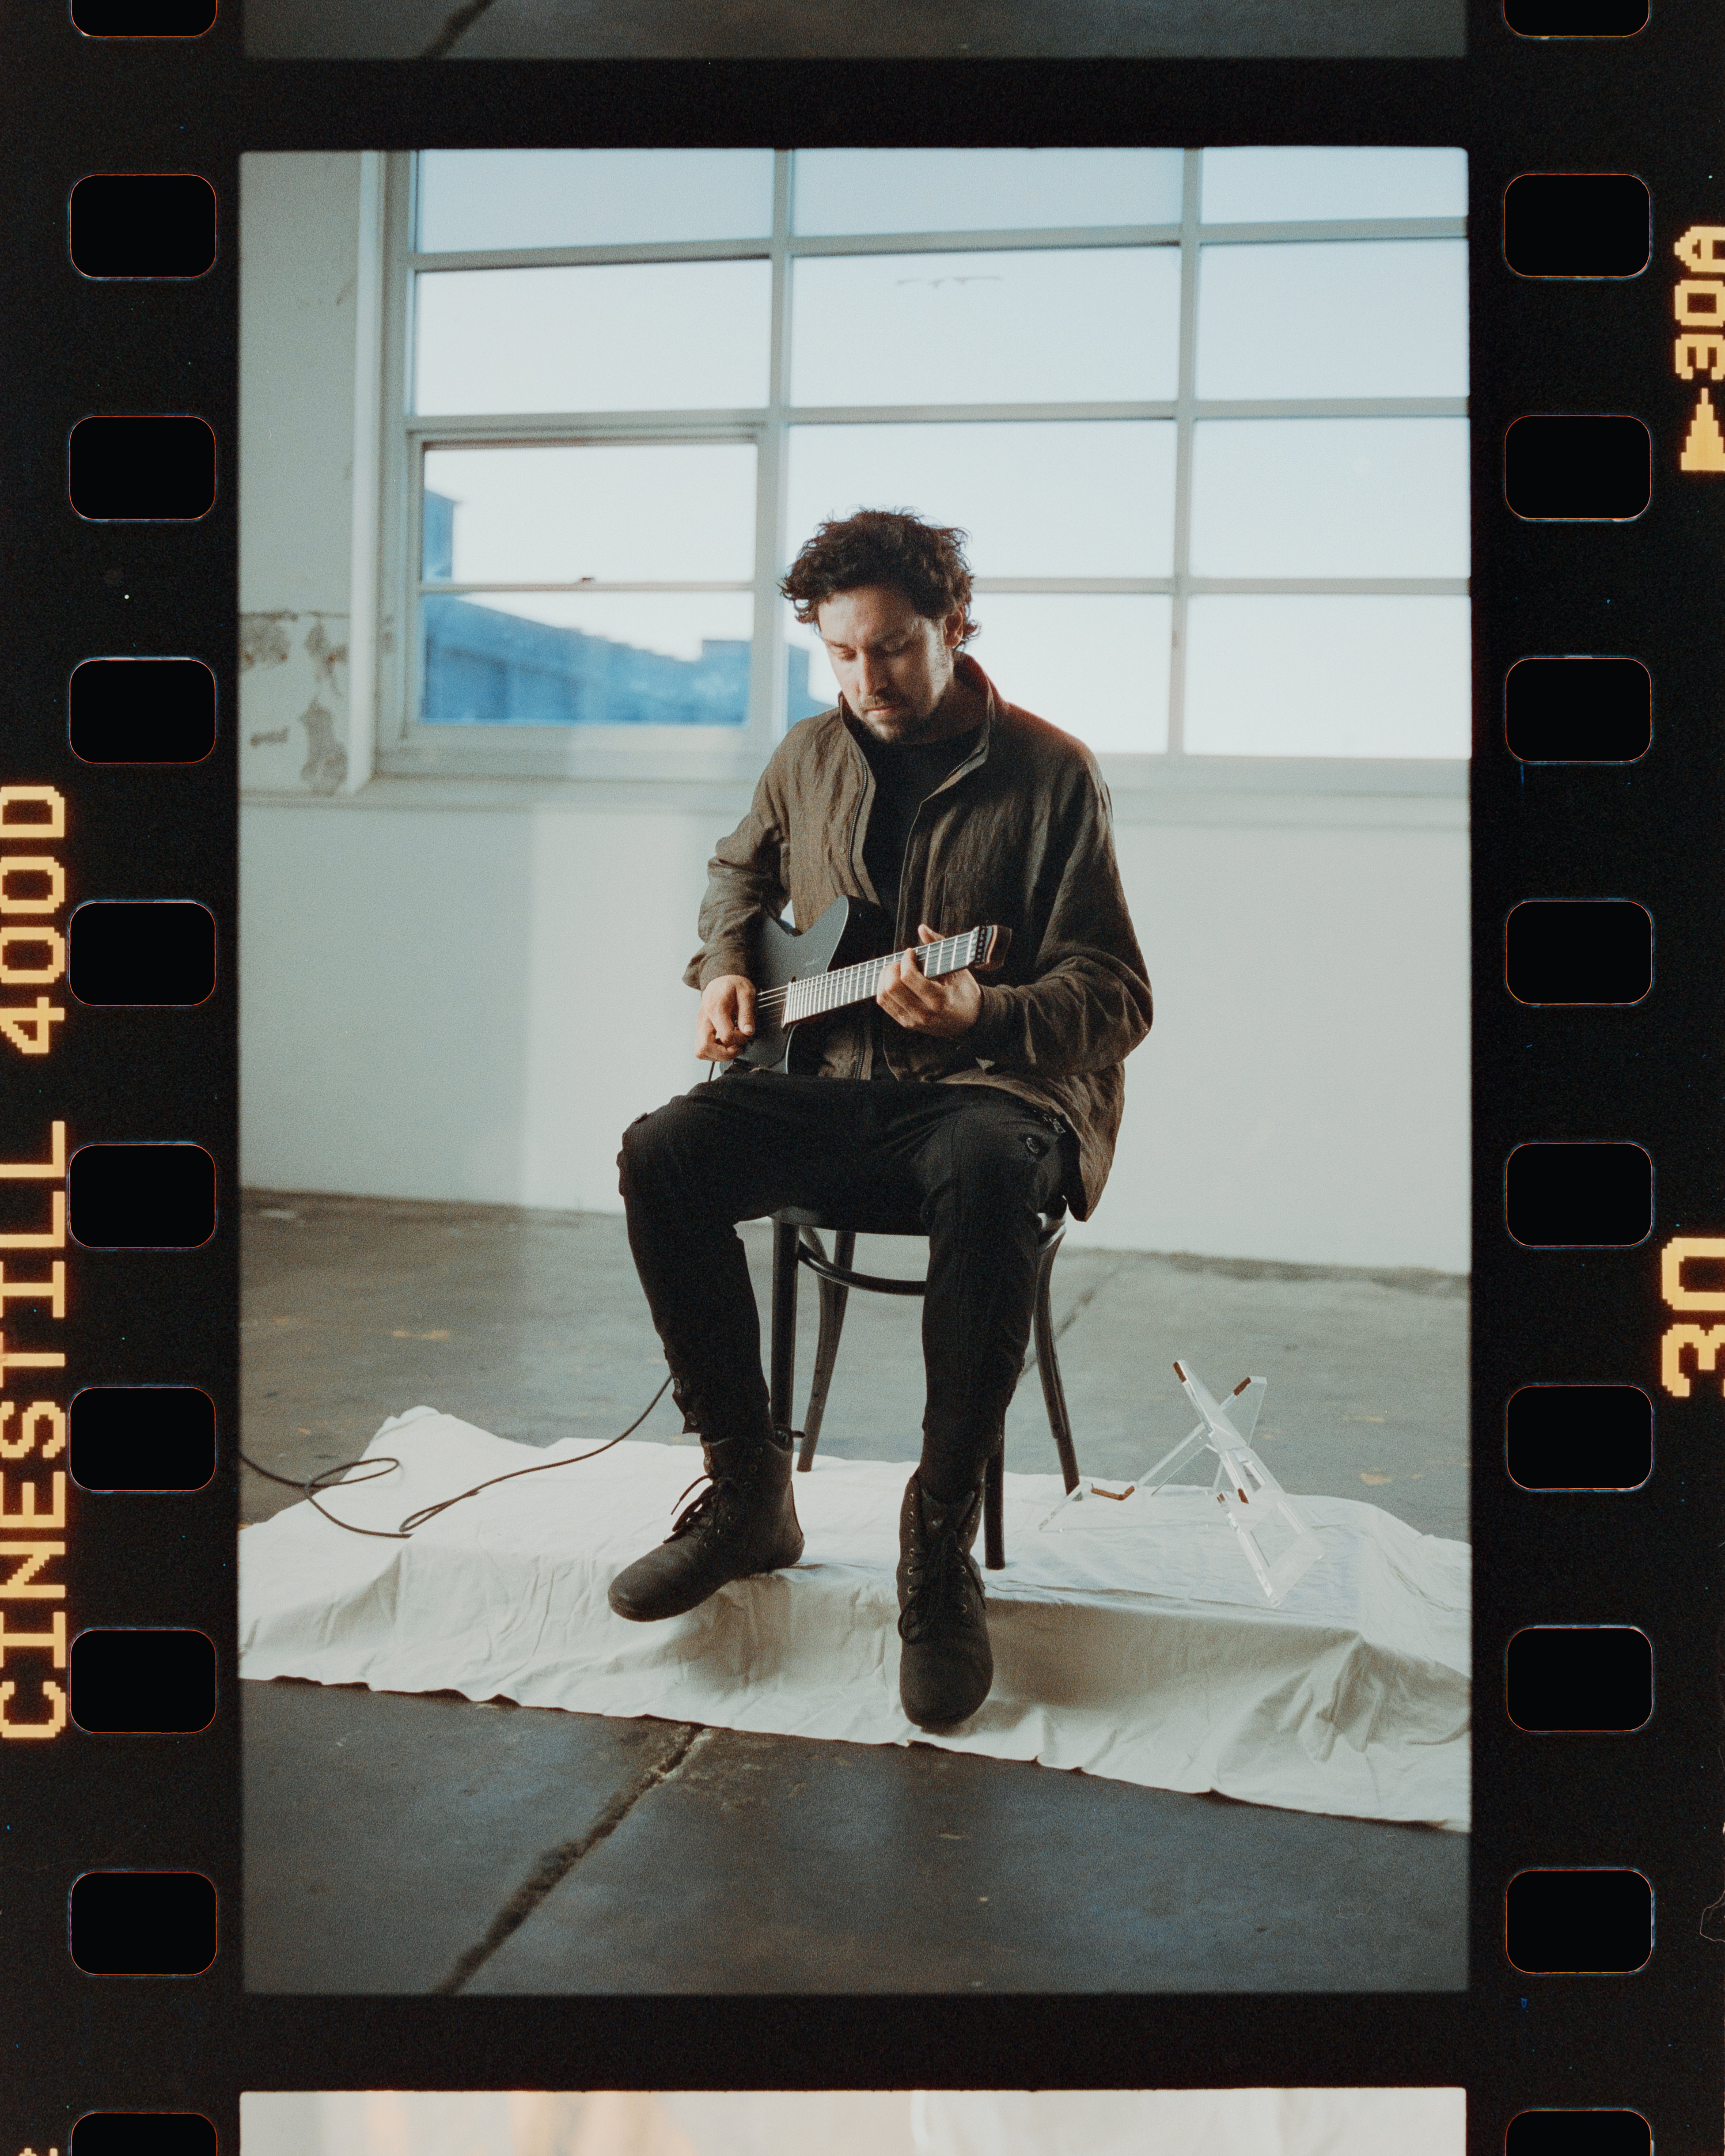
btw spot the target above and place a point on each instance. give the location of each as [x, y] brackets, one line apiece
[973, 1163]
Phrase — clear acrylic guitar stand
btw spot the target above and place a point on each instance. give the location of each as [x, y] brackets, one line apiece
[1242, 1482]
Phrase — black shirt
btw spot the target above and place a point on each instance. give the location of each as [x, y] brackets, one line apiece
[906, 774]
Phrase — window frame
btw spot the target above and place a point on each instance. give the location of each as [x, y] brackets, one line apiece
[407, 747]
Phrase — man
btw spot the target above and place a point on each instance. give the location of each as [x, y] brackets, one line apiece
[977, 1107]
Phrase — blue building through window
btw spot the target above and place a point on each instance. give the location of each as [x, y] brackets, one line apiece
[484, 667]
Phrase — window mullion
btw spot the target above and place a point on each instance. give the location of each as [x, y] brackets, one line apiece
[1317, 231]
[399, 624]
[1027, 238]
[768, 714]
[586, 587]
[414, 561]
[522, 429]
[1185, 399]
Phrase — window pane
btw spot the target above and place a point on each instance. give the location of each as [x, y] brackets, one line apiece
[1359, 318]
[1097, 667]
[631, 512]
[563, 658]
[849, 191]
[1286, 186]
[475, 198]
[1091, 323]
[646, 336]
[1282, 675]
[1329, 498]
[1077, 498]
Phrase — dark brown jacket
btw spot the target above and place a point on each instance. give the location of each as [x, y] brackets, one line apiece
[1019, 835]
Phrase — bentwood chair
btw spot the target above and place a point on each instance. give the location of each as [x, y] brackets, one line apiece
[796, 1242]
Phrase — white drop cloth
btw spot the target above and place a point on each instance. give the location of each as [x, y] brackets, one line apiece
[1241, 2122]
[1134, 1644]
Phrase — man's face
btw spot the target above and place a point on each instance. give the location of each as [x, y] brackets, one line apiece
[892, 663]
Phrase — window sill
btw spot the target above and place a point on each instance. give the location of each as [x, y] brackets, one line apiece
[1417, 794]
[575, 797]
[1319, 792]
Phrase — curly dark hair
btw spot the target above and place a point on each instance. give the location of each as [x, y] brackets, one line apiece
[925, 562]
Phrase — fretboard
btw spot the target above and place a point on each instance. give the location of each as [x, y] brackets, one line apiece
[860, 984]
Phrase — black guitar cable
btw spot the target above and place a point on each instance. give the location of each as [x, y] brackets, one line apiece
[384, 1461]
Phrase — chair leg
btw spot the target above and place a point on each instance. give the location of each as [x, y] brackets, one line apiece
[833, 1299]
[783, 1372]
[1048, 1368]
[993, 1530]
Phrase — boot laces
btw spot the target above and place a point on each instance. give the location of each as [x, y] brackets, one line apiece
[711, 1507]
[704, 1512]
[941, 1577]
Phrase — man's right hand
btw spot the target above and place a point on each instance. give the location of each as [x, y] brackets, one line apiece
[726, 1024]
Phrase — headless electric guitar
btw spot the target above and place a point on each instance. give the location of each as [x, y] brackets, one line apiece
[837, 960]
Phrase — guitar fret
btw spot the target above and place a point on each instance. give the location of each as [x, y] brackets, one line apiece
[816, 993]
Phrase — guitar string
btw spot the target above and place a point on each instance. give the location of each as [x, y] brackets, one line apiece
[946, 948]
[944, 953]
[832, 991]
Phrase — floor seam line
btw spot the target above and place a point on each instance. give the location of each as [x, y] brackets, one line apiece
[1080, 1303]
[458, 24]
[556, 1864]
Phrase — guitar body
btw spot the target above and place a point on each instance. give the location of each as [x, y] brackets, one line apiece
[849, 931]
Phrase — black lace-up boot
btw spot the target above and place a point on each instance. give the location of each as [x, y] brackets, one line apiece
[946, 1666]
[744, 1521]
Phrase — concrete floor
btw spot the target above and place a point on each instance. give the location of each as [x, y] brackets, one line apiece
[424, 1844]
[888, 29]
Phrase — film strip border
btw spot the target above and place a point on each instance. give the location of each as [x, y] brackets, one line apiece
[1595, 851]
[118, 990]
[1594, 1421]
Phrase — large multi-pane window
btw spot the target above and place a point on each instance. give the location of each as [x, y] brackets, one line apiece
[1202, 413]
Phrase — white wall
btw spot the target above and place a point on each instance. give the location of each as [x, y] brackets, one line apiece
[299, 284]
[461, 1005]
[1303, 1094]
[449, 992]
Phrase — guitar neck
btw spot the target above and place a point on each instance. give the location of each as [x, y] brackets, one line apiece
[861, 983]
